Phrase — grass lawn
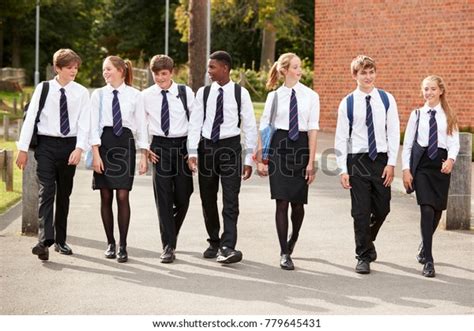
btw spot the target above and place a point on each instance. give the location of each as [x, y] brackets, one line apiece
[7, 199]
[258, 108]
[6, 106]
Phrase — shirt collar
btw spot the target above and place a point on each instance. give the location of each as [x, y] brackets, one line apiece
[357, 92]
[173, 89]
[285, 89]
[216, 86]
[56, 86]
[427, 108]
[120, 89]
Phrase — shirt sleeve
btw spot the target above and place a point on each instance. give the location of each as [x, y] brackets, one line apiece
[410, 132]
[141, 123]
[249, 127]
[84, 122]
[94, 137]
[195, 123]
[453, 145]
[313, 123]
[28, 126]
[393, 132]
[342, 137]
[267, 110]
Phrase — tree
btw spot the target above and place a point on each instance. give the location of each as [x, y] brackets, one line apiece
[197, 43]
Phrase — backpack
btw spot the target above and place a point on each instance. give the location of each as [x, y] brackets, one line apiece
[42, 101]
[183, 97]
[350, 107]
[238, 99]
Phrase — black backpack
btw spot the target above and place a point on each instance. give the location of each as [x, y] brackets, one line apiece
[238, 99]
[44, 94]
[184, 98]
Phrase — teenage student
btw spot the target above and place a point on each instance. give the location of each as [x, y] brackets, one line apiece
[167, 111]
[220, 112]
[293, 148]
[366, 142]
[62, 136]
[117, 114]
[434, 128]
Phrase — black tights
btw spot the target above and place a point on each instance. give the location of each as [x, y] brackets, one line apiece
[428, 224]
[281, 218]
[123, 208]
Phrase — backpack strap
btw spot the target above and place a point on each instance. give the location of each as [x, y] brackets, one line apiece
[238, 99]
[350, 108]
[44, 94]
[417, 112]
[207, 90]
[350, 112]
[183, 97]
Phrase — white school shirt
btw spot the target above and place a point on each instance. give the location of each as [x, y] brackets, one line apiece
[308, 108]
[78, 108]
[152, 99]
[386, 128]
[131, 109]
[227, 129]
[448, 142]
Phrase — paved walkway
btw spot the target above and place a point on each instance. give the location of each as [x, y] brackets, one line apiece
[324, 281]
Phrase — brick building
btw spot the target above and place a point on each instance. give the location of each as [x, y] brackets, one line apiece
[408, 40]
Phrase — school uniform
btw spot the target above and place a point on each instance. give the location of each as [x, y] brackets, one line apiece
[217, 143]
[172, 180]
[432, 186]
[63, 127]
[122, 118]
[363, 154]
[288, 157]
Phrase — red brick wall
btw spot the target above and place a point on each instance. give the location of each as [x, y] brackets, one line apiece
[408, 40]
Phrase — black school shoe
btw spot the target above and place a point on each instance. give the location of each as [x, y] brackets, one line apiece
[228, 255]
[41, 251]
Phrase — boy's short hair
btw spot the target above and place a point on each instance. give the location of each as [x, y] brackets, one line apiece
[222, 56]
[161, 62]
[362, 62]
[65, 57]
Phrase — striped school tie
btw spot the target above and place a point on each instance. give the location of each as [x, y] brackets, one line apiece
[293, 132]
[165, 114]
[433, 140]
[63, 114]
[219, 117]
[117, 115]
[369, 121]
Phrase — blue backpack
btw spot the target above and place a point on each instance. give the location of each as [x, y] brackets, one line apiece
[350, 107]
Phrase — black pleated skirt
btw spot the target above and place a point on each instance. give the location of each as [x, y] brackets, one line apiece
[287, 166]
[432, 186]
[118, 155]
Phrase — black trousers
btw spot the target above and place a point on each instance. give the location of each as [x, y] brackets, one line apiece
[55, 178]
[370, 200]
[221, 160]
[172, 186]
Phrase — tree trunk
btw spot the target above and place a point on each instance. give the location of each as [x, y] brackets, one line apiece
[197, 43]
[2, 27]
[16, 63]
[267, 56]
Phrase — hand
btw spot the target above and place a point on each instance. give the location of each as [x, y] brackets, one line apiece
[153, 158]
[262, 169]
[97, 163]
[22, 159]
[310, 173]
[388, 173]
[345, 181]
[407, 179]
[447, 166]
[75, 157]
[143, 166]
[192, 164]
[247, 173]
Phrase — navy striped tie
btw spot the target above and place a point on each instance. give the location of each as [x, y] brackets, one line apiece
[117, 115]
[165, 114]
[369, 121]
[433, 140]
[219, 117]
[293, 132]
[63, 114]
